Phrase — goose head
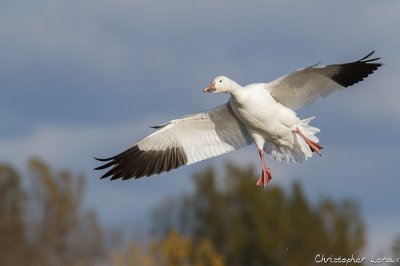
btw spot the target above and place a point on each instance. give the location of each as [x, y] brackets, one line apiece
[222, 84]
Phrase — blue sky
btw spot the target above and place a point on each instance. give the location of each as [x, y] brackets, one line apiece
[86, 78]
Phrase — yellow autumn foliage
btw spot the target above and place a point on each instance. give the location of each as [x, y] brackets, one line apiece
[174, 250]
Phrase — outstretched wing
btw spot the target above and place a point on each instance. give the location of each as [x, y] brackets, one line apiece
[182, 141]
[305, 85]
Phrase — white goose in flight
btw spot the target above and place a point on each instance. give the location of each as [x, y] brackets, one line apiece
[260, 113]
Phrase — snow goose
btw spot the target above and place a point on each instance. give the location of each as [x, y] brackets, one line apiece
[260, 113]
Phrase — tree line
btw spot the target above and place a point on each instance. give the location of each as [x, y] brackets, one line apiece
[225, 220]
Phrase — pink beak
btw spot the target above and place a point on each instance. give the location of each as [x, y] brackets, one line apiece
[210, 88]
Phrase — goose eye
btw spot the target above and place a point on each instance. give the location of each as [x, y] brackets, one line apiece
[220, 80]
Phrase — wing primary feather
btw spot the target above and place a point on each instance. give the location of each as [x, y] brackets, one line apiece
[104, 166]
[164, 161]
[154, 163]
[104, 175]
[172, 159]
[143, 164]
[314, 65]
[135, 163]
[104, 159]
[368, 55]
[108, 173]
[354, 72]
[160, 126]
[371, 60]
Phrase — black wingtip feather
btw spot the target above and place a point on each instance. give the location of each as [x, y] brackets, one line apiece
[354, 72]
[136, 163]
[103, 159]
[104, 166]
[371, 60]
[160, 126]
[368, 55]
[105, 175]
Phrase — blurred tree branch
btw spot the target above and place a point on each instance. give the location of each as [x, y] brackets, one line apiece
[13, 249]
[46, 224]
[173, 250]
[253, 227]
[225, 221]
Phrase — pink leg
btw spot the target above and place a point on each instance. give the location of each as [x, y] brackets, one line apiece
[315, 147]
[266, 175]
